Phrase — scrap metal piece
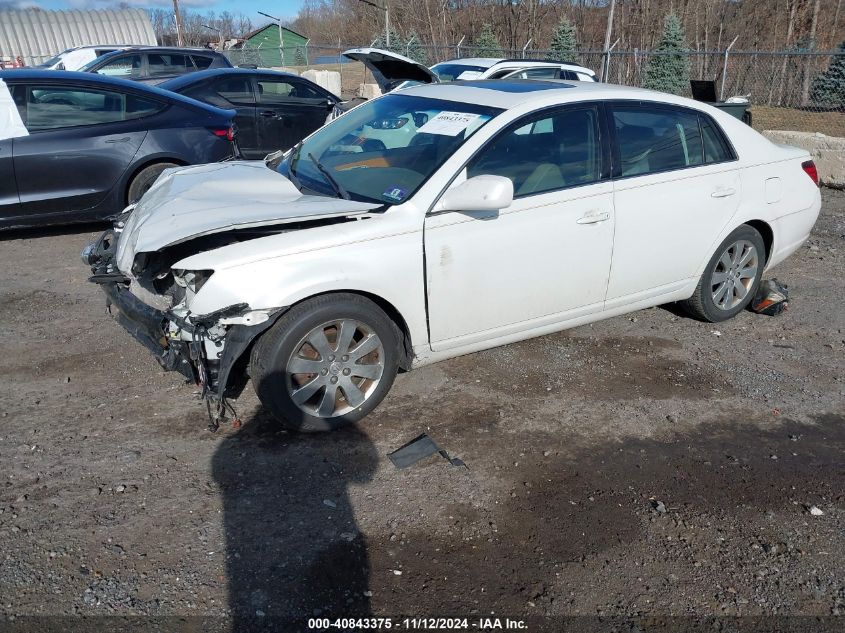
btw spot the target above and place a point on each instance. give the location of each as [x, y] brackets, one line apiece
[771, 299]
[419, 448]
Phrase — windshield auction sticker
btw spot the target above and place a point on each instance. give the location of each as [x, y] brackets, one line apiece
[449, 123]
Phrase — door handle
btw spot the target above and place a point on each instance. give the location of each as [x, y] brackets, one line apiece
[593, 218]
[124, 139]
[723, 192]
[269, 114]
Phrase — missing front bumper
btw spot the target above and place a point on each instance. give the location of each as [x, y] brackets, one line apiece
[148, 326]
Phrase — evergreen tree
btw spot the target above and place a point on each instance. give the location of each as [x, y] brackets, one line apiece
[564, 44]
[397, 44]
[414, 48]
[829, 87]
[487, 44]
[669, 71]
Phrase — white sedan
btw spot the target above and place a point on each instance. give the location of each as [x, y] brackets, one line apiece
[442, 220]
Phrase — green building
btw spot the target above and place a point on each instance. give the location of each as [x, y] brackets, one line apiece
[272, 45]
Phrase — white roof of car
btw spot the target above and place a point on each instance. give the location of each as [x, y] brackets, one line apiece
[486, 62]
[510, 93]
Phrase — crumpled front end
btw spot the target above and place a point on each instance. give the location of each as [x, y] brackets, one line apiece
[208, 350]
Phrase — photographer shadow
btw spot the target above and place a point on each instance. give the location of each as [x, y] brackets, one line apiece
[293, 548]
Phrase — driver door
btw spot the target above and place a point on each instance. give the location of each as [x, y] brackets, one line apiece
[544, 259]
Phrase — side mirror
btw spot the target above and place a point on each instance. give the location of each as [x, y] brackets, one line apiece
[480, 193]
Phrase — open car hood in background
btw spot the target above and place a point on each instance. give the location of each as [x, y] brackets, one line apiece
[391, 69]
[189, 202]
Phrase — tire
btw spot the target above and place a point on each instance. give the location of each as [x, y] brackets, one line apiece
[144, 179]
[719, 294]
[313, 401]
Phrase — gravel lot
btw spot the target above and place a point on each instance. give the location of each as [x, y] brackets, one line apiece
[648, 465]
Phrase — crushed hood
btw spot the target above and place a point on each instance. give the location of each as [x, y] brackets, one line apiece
[189, 202]
[391, 69]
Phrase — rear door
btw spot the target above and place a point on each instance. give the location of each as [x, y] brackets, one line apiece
[81, 141]
[289, 109]
[235, 92]
[673, 195]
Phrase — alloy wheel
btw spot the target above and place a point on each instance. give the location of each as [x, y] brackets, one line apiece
[734, 275]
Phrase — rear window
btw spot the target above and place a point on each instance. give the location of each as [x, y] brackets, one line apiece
[202, 62]
[654, 139]
[716, 148]
[169, 64]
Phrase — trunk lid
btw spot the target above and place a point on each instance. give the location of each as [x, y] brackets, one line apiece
[391, 69]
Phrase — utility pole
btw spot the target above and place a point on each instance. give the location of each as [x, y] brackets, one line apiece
[607, 34]
[180, 41]
[386, 9]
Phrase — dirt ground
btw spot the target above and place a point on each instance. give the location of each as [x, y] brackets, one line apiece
[646, 466]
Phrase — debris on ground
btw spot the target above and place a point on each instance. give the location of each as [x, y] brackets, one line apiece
[419, 448]
[771, 299]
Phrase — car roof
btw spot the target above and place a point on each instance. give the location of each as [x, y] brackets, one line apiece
[511, 93]
[191, 78]
[486, 62]
[71, 78]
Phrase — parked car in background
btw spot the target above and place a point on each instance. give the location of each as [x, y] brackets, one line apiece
[440, 220]
[77, 147]
[77, 57]
[392, 71]
[153, 65]
[274, 110]
[499, 68]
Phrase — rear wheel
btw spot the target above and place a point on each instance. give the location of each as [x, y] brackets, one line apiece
[327, 363]
[144, 179]
[731, 278]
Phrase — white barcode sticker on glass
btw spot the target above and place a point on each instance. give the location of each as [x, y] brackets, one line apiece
[449, 123]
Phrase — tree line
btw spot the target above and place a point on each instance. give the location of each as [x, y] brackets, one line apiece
[224, 26]
[638, 24]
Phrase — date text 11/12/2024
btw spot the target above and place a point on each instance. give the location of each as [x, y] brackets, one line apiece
[417, 624]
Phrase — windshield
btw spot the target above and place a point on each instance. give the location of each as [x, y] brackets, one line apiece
[54, 60]
[450, 72]
[385, 149]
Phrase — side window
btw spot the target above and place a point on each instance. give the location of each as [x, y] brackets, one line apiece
[123, 66]
[201, 61]
[569, 75]
[716, 149]
[225, 92]
[545, 152]
[539, 73]
[169, 64]
[655, 139]
[276, 91]
[52, 107]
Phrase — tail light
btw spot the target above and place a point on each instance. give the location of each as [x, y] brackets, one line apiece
[809, 168]
[224, 132]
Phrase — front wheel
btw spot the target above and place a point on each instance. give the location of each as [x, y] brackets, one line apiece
[327, 363]
[731, 278]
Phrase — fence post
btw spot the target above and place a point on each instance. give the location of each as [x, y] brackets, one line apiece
[725, 69]
[458, 46]
[605, 70]
[527, 44]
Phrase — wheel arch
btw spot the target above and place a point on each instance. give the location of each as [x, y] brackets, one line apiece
[766, 232]
[389, 309]
[147, 162]
[233, 369]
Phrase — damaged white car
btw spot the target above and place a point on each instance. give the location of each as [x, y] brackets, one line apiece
[441, 220]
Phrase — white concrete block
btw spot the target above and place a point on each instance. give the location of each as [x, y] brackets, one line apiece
[328, 79]
[828, 152]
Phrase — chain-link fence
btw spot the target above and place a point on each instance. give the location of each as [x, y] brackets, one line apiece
[778, 84]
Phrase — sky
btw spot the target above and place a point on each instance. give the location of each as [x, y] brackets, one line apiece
[285, 9]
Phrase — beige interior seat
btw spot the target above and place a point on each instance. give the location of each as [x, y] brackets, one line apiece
[545, 177]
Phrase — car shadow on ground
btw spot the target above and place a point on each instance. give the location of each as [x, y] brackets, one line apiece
[7, 235]
[294, 550]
